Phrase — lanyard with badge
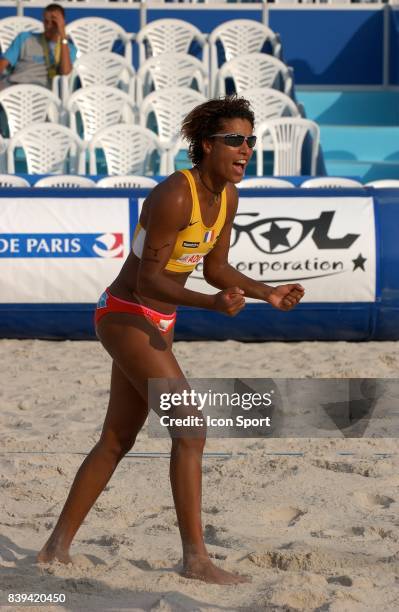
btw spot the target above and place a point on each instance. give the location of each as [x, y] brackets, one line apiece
[52, 67]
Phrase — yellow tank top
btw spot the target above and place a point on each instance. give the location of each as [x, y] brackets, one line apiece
[194, 241]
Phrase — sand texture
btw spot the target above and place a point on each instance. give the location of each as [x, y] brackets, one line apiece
[316, 531]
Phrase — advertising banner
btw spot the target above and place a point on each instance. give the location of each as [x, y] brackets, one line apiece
[61, 250]
[326, 244]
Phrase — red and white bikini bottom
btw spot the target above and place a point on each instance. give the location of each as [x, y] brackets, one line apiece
[109, 303]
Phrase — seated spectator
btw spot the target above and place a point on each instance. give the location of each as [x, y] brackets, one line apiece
[36, 58]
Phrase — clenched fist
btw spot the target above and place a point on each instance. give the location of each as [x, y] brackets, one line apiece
[229, 301]
[286, 297]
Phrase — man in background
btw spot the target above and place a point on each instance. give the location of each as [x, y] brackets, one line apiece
[37, 58]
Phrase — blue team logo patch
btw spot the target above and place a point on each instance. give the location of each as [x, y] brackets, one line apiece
[102, 302]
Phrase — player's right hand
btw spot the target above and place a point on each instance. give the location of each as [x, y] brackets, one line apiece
[229, 301]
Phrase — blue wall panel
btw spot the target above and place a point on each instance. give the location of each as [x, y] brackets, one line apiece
[394, 47]
[334, 46]
[325, 47]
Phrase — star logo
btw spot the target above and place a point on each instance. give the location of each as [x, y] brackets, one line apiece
[277, 235]
[359, 263]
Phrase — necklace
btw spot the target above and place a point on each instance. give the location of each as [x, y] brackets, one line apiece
[216, 194]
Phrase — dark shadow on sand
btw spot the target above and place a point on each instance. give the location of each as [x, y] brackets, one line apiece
[27, 576]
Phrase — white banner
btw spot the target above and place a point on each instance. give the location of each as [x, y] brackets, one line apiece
[327, 244]
[61, 250]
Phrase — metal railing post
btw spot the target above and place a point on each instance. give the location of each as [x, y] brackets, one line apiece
[265, 13]
[143, 13]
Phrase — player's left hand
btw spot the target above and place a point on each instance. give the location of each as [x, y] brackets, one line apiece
[286, 297]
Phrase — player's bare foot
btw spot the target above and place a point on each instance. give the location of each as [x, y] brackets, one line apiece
[203, 569]
[52, 553]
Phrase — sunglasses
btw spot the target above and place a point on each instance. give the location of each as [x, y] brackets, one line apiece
[236, 140]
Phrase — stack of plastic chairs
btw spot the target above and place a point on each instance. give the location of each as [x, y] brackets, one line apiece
[96, 35]
[239, 37]
[107, 93]
[164, 36]
[135, 119]
[169, 107]
[254, 69]
[49, 148]
[170, 80]
[102, 68]
[56, 146]
[288, 136]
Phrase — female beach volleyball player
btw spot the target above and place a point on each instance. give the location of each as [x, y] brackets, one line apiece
[184, 219]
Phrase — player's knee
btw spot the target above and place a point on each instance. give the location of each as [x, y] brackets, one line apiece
[195, 444]
[117, 445]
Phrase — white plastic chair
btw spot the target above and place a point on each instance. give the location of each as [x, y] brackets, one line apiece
[268, 103]
[288, 136]
[240, 37]
[265, 182]
[127, 149]
[11, 180]
[171, 70]
[47, 147]
[27, 104]
[127, 182]
[10, 27]
[99, 107]
[102, 68]
[169, 36]
[384, 183]
[95, 34]
[169, 107]
[65, 180]
[330, 182]
[254, 70]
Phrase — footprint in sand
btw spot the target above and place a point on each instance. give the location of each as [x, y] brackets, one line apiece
[372, 501]
[307, 559]
[285, 514]
[327, 534]
[342, 580]
[373, 533]
[212, 535]
[362, 468]
[105, 540]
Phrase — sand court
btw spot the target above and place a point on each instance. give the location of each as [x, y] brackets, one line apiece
[314, 521]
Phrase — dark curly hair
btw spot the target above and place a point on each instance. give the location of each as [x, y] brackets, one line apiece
[207, 119]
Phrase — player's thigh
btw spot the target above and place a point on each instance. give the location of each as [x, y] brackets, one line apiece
[139, 349]
[126, 414]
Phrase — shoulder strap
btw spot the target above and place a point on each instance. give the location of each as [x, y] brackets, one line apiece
[194, 195]
[220, 221]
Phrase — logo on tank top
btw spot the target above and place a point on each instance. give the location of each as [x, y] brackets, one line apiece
[190, 259]
[209, 236]
[190, 245]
